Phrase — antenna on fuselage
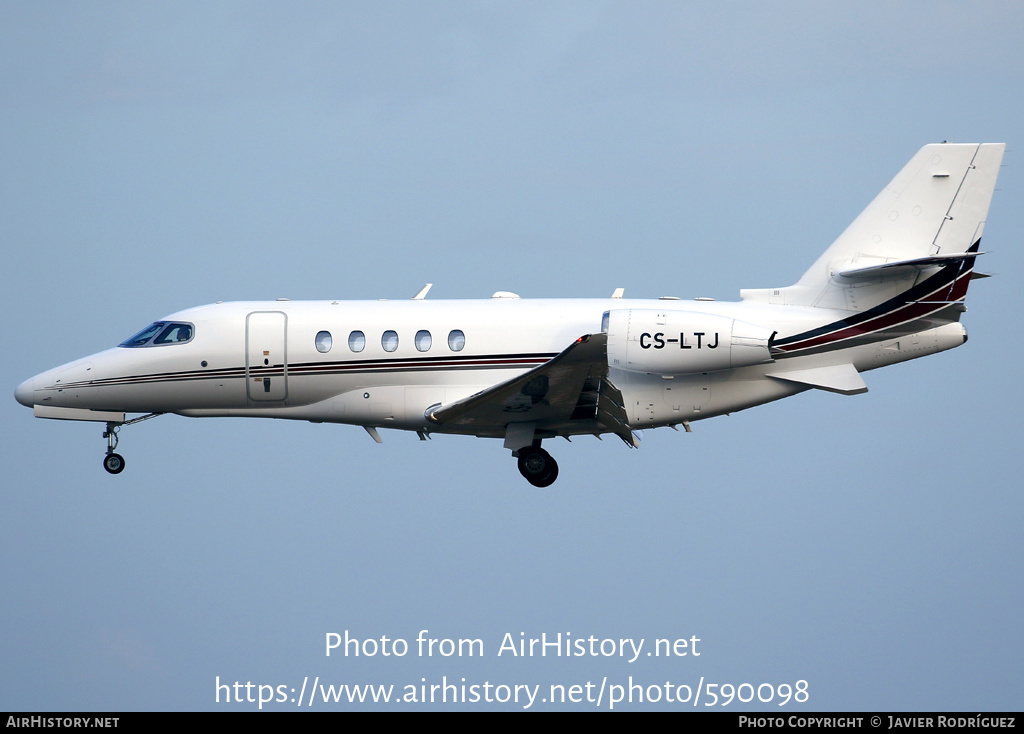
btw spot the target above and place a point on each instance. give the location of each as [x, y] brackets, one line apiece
[423, 292]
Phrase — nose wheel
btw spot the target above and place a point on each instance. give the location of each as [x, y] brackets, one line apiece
[537, 466]
[113, 463]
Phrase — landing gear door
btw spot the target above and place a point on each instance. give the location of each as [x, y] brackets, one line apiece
[266, 361]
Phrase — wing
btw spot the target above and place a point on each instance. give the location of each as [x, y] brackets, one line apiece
[573, 386]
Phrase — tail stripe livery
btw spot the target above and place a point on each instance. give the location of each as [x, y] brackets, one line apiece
[934, 294]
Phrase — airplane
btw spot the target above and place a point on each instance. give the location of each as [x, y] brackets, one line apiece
[891, 288]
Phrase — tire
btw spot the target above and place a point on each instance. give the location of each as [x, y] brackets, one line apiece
[548, 479]
[537, 466]
[533, 462]
[113, 463]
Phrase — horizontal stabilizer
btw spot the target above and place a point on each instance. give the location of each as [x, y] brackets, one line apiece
[898, 268]
[840, 378]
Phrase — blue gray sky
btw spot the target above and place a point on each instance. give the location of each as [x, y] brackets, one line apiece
[157, 156]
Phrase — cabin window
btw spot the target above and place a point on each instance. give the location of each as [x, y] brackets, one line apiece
[356, 341]
[323, 342]
[161, 333]
[456, 340]
[389, 340]
[422, 340]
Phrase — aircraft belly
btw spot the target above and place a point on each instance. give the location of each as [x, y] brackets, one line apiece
[651, 400]
[734, 392]
[384, 406]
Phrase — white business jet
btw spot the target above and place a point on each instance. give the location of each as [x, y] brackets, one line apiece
[890, 289]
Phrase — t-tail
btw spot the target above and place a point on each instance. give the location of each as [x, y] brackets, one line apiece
[905, 262]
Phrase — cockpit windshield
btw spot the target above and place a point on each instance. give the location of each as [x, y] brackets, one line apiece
[160, 333]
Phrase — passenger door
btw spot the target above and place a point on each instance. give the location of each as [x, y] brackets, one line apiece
[266, 363]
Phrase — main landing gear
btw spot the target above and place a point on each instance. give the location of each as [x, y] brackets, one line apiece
[537, 466]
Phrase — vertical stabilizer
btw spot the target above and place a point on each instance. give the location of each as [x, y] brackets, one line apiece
[933, 209]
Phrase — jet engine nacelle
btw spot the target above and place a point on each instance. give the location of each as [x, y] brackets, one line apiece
[683, 342]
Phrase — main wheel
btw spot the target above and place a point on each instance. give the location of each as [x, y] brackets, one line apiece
[537, 466]
[548, 479]
[113, 463]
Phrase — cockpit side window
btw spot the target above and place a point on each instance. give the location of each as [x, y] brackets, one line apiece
[161, 333]
[175, 334]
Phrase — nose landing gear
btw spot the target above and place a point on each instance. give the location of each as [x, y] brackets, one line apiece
[537, 466]
[114, 463]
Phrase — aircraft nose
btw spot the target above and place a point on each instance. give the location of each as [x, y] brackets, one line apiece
[25, 393]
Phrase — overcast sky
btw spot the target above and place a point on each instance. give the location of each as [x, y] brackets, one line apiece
[157, 156]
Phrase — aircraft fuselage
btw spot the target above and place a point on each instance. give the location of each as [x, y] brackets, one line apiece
[264, 359]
